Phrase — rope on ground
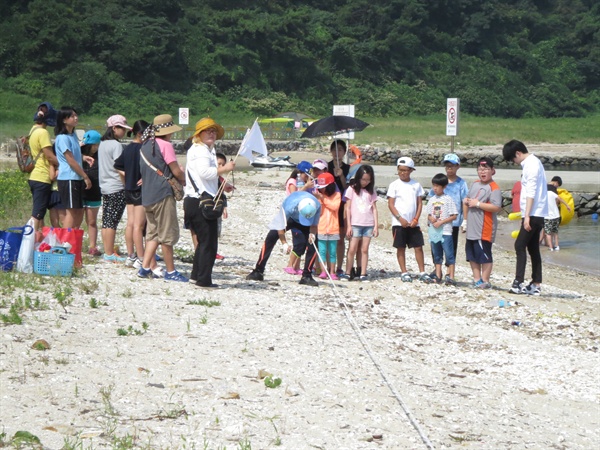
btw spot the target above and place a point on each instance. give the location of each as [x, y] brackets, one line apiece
[365, 343]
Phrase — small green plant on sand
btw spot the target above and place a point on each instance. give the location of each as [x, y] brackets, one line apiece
[271, 382]
[130, 331]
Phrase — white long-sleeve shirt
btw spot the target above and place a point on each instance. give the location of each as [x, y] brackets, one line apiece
[534, 185]
[201, 165]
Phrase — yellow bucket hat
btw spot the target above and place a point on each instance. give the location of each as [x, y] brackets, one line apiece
[206, 123]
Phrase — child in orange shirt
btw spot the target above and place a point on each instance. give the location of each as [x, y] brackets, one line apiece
[329, 223]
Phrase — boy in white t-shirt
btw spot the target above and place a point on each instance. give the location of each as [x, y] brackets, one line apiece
[405, 201]
[552, 220]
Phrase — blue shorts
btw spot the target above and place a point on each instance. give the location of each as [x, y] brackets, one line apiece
[479, 252]
[439, 249]
[359, 231]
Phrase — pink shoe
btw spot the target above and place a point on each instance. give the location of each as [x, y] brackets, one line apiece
[299, 272]
[323, 275]
[334, 277]
[290, 270]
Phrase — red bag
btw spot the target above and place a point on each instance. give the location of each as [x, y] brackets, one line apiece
[73, 236]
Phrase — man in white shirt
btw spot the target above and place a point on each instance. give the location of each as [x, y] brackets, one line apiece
[534, 207]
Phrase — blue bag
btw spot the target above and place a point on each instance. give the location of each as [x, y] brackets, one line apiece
[10, 243]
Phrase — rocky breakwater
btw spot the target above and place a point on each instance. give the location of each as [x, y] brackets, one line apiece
[557, 157]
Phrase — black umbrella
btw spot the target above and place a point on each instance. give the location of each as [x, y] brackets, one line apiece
[334, 125]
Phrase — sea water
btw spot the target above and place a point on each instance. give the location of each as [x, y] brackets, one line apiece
[579, 244]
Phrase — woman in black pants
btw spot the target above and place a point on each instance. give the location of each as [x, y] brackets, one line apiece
[202, 177]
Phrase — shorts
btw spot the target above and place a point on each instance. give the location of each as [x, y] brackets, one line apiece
[92, 203]
[407, 237]
[445, 247]
[55, 202]
[71, 193]
[161, 222]
[478, 251]
[551, 225]
[41, 198]
[359, 231]
[114, 206]
[133, 197]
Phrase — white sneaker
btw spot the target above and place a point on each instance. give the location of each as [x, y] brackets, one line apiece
[557, 248]
[158, 272]
[138, 263]
[131, 261]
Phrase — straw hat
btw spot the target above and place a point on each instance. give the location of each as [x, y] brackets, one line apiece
[164, 125]
[206, 123]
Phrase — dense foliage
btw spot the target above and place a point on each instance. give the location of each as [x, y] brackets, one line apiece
[505, 58]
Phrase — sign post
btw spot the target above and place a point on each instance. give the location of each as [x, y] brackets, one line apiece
[184, 116]
[452, 110]
[344, 110]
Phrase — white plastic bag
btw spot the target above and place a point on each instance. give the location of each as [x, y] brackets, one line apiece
[25, 259]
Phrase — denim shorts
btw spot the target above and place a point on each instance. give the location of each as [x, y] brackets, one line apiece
[359, 231]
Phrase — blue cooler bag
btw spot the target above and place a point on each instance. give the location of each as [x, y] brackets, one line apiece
[10, 243]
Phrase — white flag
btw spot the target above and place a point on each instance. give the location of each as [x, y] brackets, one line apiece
[253, 142]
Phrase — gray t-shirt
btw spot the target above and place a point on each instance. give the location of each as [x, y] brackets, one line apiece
[154, 187]
[482, 224]
[109, 178]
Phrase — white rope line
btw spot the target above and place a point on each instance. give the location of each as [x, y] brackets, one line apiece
[365, 343]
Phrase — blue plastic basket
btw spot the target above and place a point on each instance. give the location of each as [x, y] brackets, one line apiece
[57, 262]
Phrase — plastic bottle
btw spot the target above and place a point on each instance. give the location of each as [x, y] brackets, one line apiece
[299, 182]
[500, 303]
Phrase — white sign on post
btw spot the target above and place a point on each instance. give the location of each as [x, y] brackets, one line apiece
[344, 110]
[452, 109]
[184, 116]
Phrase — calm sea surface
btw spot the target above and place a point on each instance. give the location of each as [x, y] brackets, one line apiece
[579, 244]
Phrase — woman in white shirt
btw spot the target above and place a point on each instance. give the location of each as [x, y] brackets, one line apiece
[202, 176]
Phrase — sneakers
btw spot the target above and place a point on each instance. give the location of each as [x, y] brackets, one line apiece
[364, 278]
[483, 285]
[323, 275]
[219, 257]
[344, 277]
[406, 278]
[308, 281]
[130, 261]
[175, 276]
[93, 251]
[114, 258]
[145, 273]
[557, 248]
[255, 275]
[531, 289]
[516, 288]
[449, 281]
[158, 272]
[137, 264]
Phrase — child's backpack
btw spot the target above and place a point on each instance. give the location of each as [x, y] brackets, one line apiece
[24, 158]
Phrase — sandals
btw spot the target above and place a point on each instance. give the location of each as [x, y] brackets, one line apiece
[405, 277]
[426, 278]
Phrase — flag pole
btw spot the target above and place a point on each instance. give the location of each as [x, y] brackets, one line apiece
[225, 178]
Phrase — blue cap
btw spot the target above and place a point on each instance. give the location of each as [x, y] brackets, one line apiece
[307, 209]
[91, 137]
[304, 166]
[451, 158]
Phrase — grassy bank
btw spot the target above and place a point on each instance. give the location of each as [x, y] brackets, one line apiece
[393, 131]
[15, 199]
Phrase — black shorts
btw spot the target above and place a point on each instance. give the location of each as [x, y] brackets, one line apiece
[41, 193]
[55, 201]
[407, 237]
[71, 193]
[478, 251]
[133, 197]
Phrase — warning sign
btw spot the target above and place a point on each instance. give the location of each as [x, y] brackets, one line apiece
[452, 109]
[184, 116]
